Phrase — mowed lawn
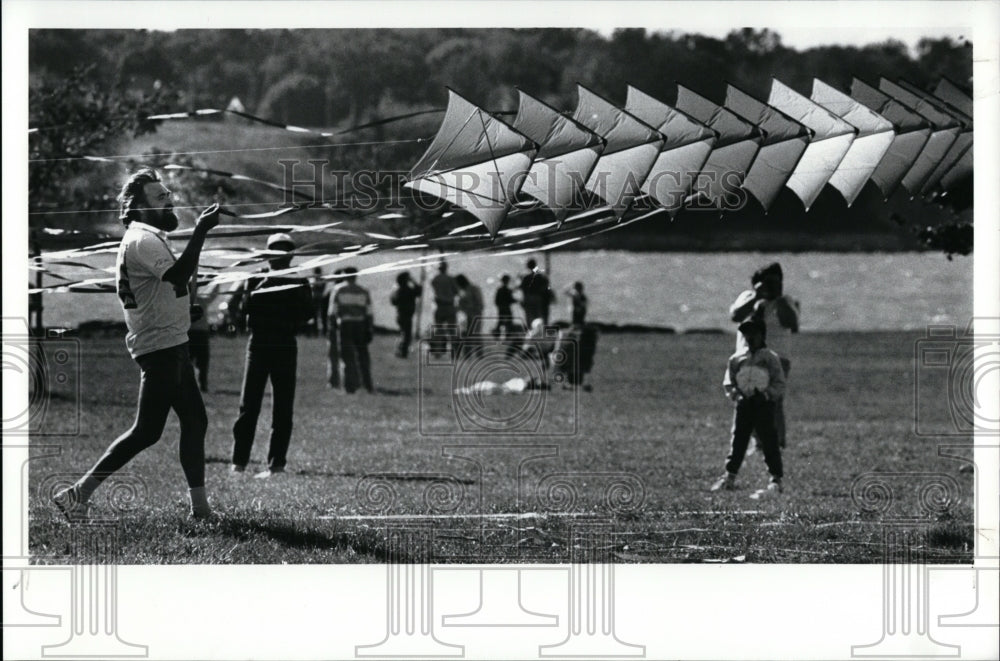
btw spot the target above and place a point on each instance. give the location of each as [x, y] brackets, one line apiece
[635, 456]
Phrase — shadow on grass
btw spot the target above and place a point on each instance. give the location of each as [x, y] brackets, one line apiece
[399, 392]
[297, 536]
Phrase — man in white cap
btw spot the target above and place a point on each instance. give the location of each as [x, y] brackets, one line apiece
[275, 307]
[153, 290]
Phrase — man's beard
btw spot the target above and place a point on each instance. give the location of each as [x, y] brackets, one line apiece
[169, 220]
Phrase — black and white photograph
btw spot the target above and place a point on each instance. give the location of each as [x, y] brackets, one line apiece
[656, 330]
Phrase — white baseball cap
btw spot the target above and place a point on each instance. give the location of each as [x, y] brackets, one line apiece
[276, 240]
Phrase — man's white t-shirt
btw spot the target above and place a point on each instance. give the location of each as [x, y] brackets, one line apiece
[157, 313]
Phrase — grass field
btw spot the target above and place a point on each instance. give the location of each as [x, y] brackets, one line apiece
[651, 436]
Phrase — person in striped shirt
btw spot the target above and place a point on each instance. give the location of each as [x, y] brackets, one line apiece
[352, 306]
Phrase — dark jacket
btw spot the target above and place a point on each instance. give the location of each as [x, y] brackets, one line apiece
[276, 315]
[405, 299]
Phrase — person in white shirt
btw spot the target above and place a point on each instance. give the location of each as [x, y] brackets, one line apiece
[780, 313]
[153, 289]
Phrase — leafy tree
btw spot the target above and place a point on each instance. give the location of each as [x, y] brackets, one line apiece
[75, 117]
[298, 99]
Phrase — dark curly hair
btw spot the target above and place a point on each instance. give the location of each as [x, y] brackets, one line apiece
[133, 197]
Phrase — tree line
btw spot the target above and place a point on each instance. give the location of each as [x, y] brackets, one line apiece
[89, 88]
[332, 77]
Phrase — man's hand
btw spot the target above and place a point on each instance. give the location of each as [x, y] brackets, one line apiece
[180, 273]
[209, 218]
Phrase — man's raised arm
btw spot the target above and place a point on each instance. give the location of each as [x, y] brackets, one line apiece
[182, 270]
[744, 305]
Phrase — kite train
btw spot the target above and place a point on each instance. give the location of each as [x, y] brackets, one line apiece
[895, 134]
[594, 165]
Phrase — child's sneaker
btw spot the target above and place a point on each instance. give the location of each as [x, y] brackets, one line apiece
[726, 482]
[269, 473]
[773, 490]
[236, 469]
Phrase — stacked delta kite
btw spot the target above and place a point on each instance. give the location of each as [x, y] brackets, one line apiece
[697, 151]
[602, 166]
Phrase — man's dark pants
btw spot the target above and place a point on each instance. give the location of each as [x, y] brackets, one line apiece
[446, 328]
[405, 322]
[199, 350]
[512, 333]
[755, 415]
[354, 351]
[274, 360]
[166, 382]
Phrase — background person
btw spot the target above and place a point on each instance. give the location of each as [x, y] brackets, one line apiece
[470, 304]
[577, 303]
[539, 344]
[333, 333]
[504, 300]
[536, 294]
[320, 300]
[404, 298]
[445, 313]
[767, 301]
[199, 335]
[153, 290]
[352, 305]
[276, 306]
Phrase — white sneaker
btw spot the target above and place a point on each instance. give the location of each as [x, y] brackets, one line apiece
[274, 472]
[202, 514]
[237, 469]
[68, 502]
[773, 490]
[727, 482]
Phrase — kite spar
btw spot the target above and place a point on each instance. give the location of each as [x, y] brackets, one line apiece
[476, 161]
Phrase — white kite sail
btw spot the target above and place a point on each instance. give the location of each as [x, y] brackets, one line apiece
[785, 140]
[567, 154]
[875, 136]
[832, 138]
[912, 132]
[957, 97]
[629, 153]
[945, 130]
[475, 161]
[683, 154]
[732, 154]
[962, 143]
